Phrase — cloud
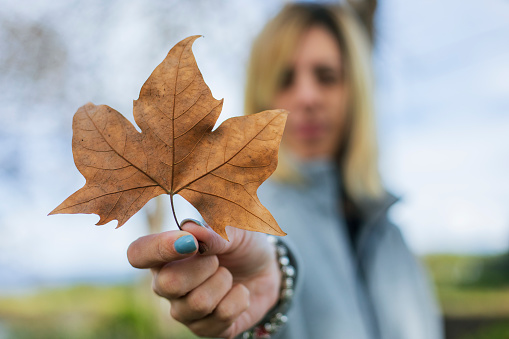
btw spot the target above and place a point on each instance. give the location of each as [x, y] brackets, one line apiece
[455, 186]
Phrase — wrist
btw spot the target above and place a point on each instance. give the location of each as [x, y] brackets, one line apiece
[276, 271]
[276, 317]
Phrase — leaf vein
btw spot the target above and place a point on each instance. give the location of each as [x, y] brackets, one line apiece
[233, 156]
[187, 109]
[113, 207]
[188, 85]
[233, 202]
[188, 154]
[242, 185]
[245, 166]
[206, 115]
[106, 169]
[104, 195]
[132, 203]
[98, 151]
[102, 135]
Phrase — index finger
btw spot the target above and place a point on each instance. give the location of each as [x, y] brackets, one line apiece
[157, 249]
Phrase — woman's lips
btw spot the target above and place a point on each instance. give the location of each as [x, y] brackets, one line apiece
[310, 131]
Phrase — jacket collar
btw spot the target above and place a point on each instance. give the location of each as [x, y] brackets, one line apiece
[373, 220]
[323, 175]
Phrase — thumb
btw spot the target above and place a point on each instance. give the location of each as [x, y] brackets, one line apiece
[157, 249]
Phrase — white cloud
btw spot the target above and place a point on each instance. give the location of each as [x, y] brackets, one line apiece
[454, 185]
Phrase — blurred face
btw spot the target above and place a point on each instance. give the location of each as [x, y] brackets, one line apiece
[313, 91]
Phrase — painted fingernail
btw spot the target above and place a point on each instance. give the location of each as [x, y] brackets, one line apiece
[199, 223]
[185, 244]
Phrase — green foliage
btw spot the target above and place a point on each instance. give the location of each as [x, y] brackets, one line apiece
[474, 294]
[494, 272]
[490, 272]
[496, 331]
[470, 288]
[86, 312]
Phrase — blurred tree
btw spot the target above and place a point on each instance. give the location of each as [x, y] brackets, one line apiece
[155, 212]
[365, 9]
[33, 60]
[494, 272]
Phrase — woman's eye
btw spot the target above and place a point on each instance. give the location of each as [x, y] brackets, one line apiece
[287, 79]
[327, 79]
[326, 76]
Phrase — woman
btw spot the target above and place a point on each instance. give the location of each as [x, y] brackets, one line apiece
[355, 276]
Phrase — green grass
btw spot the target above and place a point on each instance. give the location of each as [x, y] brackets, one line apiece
[497, 331]
[86, 312]
[471, 286]
[468, 287]
[474, 294]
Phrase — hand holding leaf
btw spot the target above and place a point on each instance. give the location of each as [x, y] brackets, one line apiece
[176, 152]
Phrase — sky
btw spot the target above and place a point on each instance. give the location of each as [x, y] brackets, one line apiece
[442, 71]
[443, 96]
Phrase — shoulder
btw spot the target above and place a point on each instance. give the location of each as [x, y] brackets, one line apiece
[275, 194]
[385, 244]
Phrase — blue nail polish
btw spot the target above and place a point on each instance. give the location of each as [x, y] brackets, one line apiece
[199, 223]
[185, 244]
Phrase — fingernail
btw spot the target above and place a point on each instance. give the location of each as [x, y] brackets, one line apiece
[199, 223]
[185, 244]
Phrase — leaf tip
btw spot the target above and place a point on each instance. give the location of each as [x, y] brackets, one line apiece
[194, 37]
[88, 106]
[121, 222]
[57, 210]
[222, 233]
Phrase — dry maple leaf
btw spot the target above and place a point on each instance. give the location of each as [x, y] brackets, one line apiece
[176, 152]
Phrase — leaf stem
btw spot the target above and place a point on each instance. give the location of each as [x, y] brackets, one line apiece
[173, 210]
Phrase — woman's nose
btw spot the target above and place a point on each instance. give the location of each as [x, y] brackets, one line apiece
[307, 92]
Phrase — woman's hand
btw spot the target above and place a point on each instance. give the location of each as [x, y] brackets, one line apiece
[220, 292]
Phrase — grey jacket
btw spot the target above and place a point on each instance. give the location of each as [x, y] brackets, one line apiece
[375, 289]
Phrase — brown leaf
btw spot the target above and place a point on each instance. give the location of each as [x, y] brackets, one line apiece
[176, 152]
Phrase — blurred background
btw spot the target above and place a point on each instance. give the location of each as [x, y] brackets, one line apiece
[442, 70]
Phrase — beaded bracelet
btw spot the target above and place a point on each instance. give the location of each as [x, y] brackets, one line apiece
[276, 318]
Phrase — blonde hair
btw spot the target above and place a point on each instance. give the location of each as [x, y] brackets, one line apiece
[270, 57]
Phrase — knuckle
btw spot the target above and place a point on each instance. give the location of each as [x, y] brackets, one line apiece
[171, 286]
[154, 286]
[165, 248]
[245, 293]
[226, 313]
[226, 275]
[175, 314]
[214, 261]
[200, 331]
[200, 304]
